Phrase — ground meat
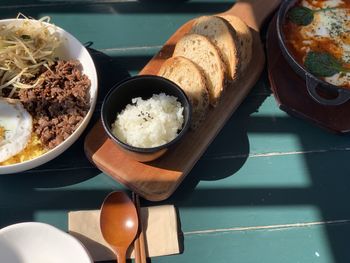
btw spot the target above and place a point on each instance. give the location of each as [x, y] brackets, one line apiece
[59, 104]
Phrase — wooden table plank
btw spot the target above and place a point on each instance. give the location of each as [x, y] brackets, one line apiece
[302, 244]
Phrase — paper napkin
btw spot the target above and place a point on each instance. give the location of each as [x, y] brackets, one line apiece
[159, 224]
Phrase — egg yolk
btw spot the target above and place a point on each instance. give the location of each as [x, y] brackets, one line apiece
[33, 149]
[2, 133]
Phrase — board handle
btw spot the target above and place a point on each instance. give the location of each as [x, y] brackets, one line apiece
[253, 12]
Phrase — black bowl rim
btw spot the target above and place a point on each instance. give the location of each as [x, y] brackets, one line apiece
[301, 71]
[152, 149]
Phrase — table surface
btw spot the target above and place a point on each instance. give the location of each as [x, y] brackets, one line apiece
[270, 187]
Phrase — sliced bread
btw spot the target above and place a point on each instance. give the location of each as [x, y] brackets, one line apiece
[245, 37]
[221, 33]
[191, 80]
[204, 53]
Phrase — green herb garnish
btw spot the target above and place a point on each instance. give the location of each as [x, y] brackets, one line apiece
[303, 16]
[323, 64]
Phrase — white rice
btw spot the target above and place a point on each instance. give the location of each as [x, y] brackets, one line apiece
[149, 123]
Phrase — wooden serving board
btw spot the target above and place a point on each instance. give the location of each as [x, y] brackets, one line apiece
[158, 179]
[292, 96]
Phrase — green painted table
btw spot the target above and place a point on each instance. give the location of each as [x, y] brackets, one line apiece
[270, 188]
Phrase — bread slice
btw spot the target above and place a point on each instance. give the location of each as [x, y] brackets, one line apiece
[204, 53]
[191, 80]
[245, 37]
[221, 33]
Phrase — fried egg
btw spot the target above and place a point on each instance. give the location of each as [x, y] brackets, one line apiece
[16, 126]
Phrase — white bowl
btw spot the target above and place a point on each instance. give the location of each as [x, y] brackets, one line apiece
[40, 243]
[71, 49]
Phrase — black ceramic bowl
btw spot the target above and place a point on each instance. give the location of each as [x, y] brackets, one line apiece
[338, 94]
[142, 86]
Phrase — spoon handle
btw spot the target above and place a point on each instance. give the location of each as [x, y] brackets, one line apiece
[140, 239]
[121, 256]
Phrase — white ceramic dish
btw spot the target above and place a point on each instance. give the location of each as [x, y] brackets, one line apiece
[71, 49]
[40, 243]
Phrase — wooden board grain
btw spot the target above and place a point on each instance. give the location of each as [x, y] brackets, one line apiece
[157, 180]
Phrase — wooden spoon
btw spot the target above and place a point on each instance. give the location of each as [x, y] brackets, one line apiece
[119, 223]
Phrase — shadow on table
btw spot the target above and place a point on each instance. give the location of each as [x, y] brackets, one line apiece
[327, 190]
[329, 173]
